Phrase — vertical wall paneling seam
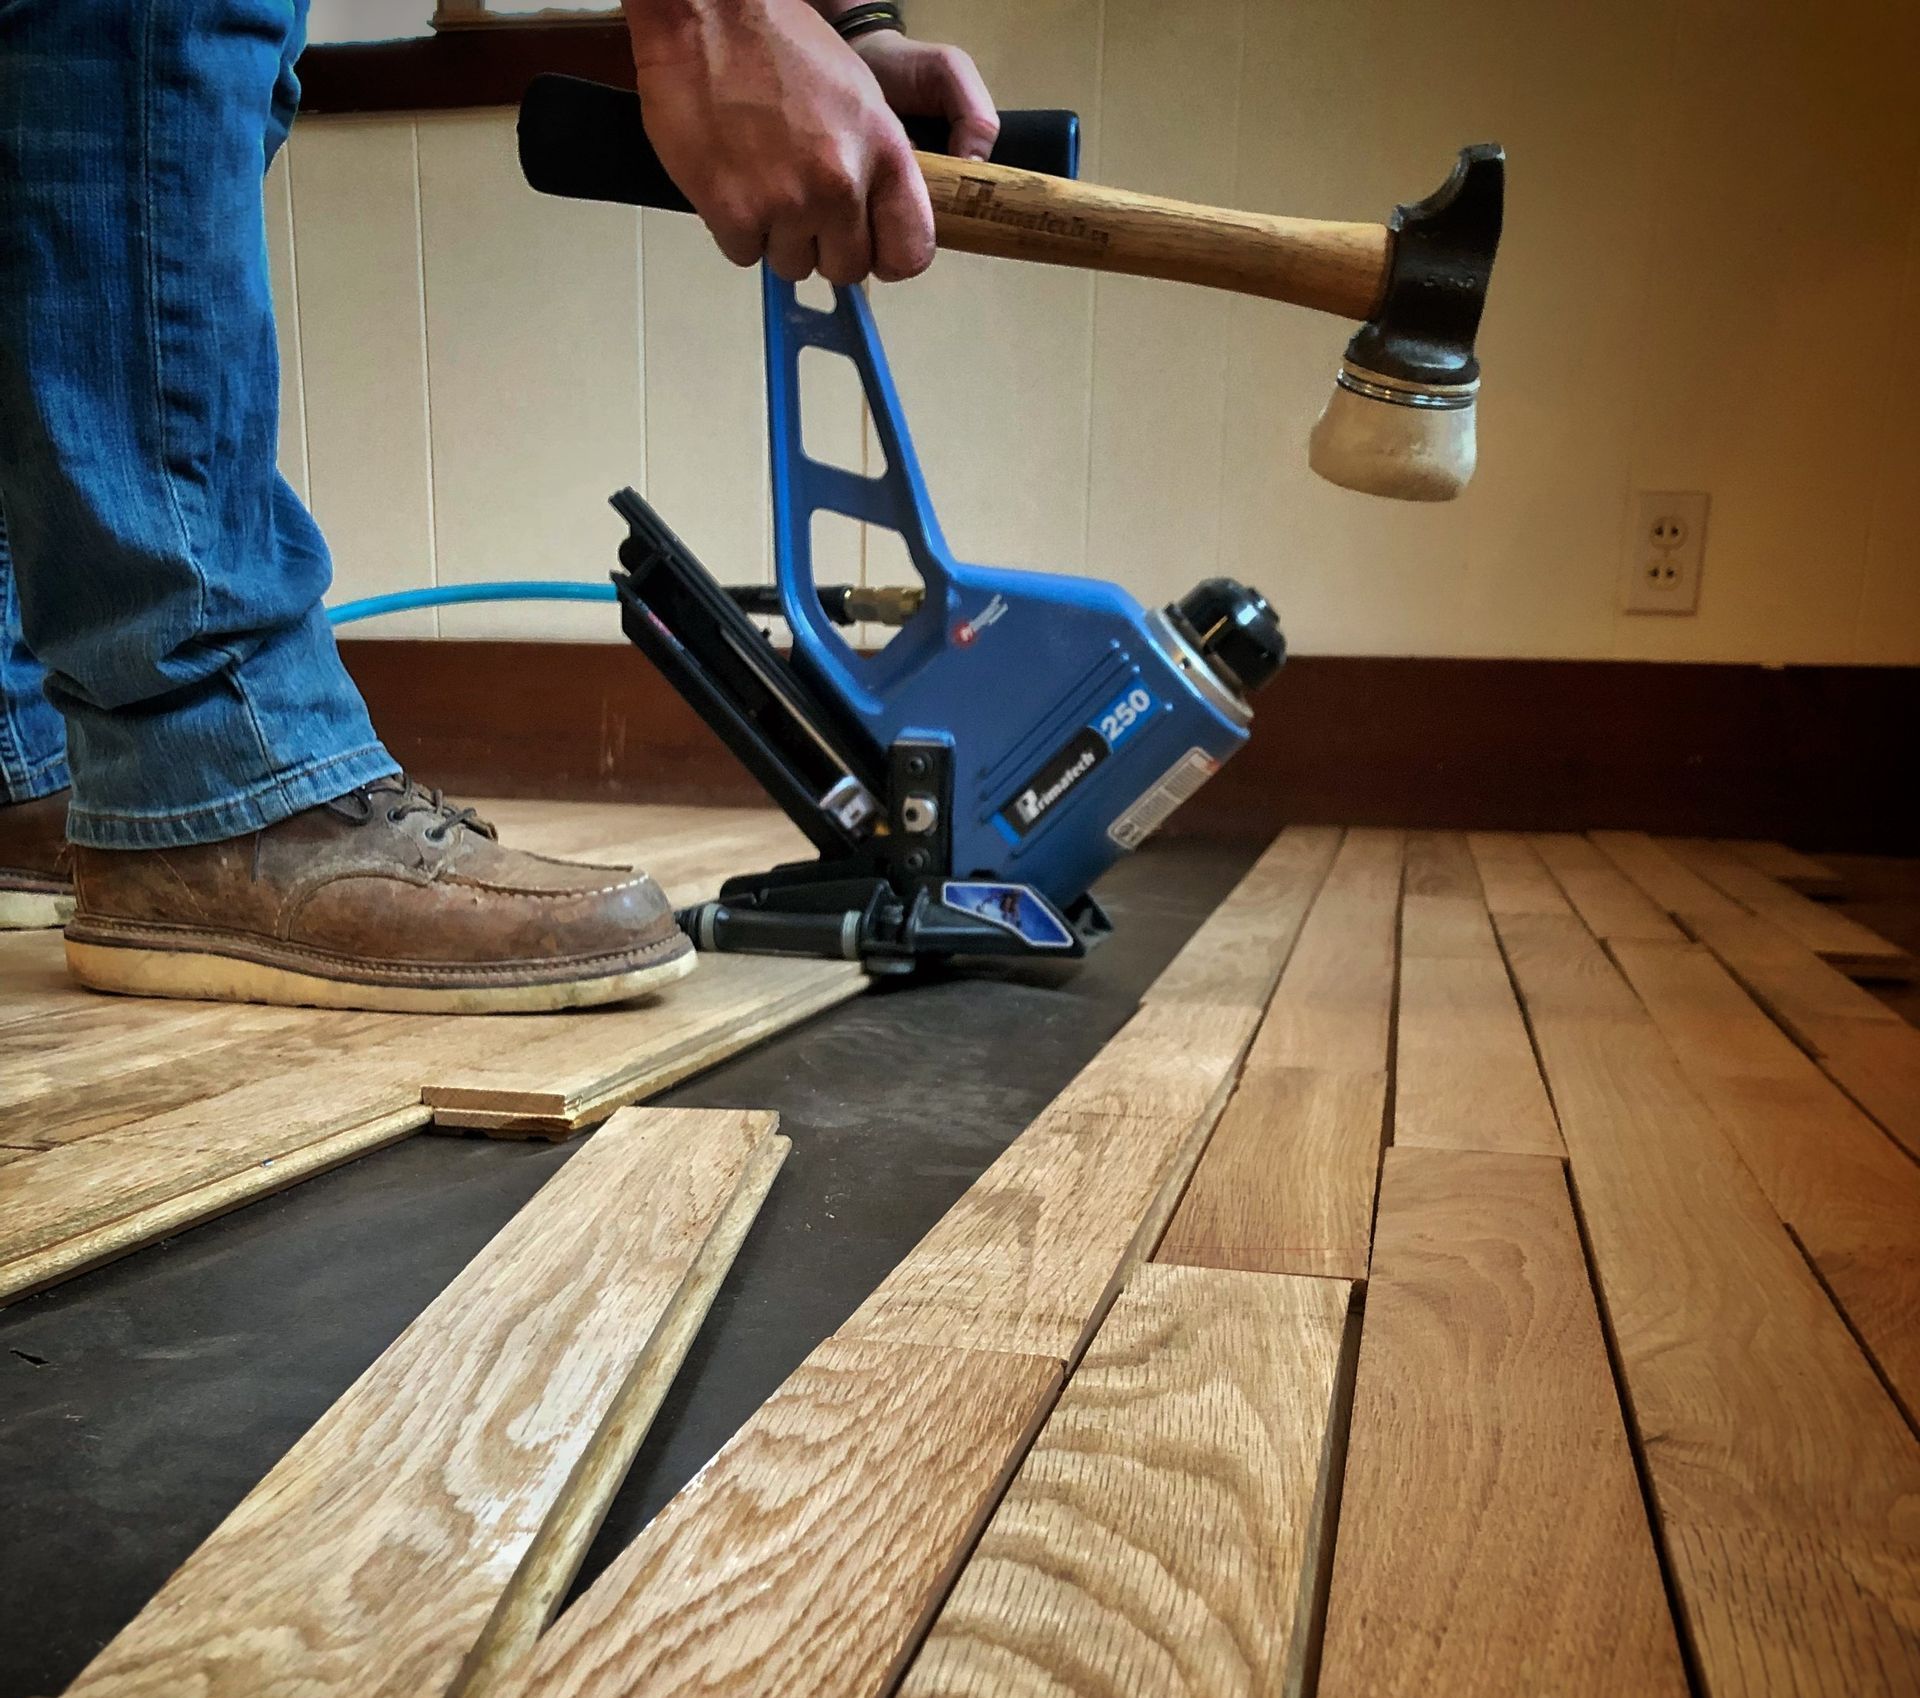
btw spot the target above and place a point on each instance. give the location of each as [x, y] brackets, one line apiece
[426, 369]
[293, 308]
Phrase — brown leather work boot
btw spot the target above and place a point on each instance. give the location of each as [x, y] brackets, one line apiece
[384, 898]
[35, 890]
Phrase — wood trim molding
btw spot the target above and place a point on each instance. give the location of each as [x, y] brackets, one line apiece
[1809, 755]
[486, 66]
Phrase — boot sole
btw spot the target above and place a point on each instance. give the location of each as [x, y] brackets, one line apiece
[34, 910]
[128, 970]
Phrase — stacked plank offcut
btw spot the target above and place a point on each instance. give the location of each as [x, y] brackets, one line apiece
[1482, 1265]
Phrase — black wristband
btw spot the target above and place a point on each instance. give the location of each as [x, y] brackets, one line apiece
[871, 15]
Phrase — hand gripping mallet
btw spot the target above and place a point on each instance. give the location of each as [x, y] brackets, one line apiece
[1400, 421]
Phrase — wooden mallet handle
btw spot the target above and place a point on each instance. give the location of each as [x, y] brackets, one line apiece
[994, 209]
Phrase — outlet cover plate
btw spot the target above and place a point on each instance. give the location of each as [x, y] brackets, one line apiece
[1666, 550]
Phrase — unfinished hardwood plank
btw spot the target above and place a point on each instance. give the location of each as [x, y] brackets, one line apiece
[1286, 1182]
[1237, 952]
[1464, 1074]
[1512, 875]
[1613, 906]
[1032, 1253]
[1830, 934]
[1797, 871]
[387, 1551]
[1787, 1484]
[1163, 1534]
[72, 1207]
[1851, 1198]
[1862, 1044]
[1493, 1538]
[1334, 1003]
[809, 1554]
[548, 1078]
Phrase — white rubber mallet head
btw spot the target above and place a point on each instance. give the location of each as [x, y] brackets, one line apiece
[1400, 422]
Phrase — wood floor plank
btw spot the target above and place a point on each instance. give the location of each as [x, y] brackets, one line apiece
[1799, 872]
[393, 1539]
[1030, 1256]
[1787, 1484]
[1512, 875]
[1851, 1197]
[1830, 934]
[1613, 906]
[1464, 1074]
[807, 1558]
[1286, 1183]
[192, 1109]
[1163, 1534]
[1862, 1044]
[1493, 1538]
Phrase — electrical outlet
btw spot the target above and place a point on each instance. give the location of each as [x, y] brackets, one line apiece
[1665, 551]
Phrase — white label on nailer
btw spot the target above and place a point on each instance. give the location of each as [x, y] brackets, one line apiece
[1147, 815]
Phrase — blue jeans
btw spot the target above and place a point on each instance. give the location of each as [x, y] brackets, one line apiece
[162, 642]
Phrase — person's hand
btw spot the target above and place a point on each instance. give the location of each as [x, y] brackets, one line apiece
[781, 139]
[924, 80]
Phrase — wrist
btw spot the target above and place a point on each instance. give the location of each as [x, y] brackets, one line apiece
[857, 20]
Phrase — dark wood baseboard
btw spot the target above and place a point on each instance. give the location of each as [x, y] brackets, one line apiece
[1819, 756]
[459, 67]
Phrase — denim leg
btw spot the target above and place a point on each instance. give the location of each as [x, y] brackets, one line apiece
[33, 742]
[169, 581]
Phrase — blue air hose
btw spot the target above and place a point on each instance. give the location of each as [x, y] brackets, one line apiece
[446, 595]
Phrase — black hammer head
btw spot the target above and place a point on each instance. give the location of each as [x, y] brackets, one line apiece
[1443, 250]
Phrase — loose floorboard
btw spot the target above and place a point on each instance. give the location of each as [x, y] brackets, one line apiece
[1615, 909]
[1863, 1045]
[1286, 1183]
[154, 1114]
[1831, 935]
[1163, 1534]
[1785, 1479]
[388, 1551]
[1851, 1197]
[808, 1556]
[1789, 866]
[1493, 1538]
[1464, 1074]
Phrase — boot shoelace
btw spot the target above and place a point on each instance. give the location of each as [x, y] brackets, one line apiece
[412, 798]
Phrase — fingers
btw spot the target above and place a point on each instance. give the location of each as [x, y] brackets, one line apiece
[976, 125]
[793, 251]
[902, 218]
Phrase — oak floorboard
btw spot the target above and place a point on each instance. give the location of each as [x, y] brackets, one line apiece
[1793, 869]
[1613, 906]
[1464, 1073]
[1164, 1533]
[808, 1556]
[1786, 1481]
[1512, 875]
[1493, 1538]
[1863, 1045]
[385, 1553]
[1851, 1197]
[1833, 936]
[1286, 1183]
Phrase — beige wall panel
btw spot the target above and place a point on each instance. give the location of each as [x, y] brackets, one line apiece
[534, 372]
[1781, 216]
[286, 323]
[363, 358]
[1169, 81]
[994, 359]
[1888, 627]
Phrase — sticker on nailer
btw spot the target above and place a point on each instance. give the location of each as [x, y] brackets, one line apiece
[1147, 815]
[1012, 907]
